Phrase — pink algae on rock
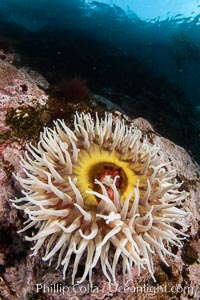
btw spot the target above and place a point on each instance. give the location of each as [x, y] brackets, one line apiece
[18, 88]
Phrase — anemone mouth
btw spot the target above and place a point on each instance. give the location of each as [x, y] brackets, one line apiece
[103, 165]
[96, 187]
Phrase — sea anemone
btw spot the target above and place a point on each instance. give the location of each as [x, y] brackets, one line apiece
[101, 191]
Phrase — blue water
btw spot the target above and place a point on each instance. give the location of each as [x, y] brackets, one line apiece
[148, 50]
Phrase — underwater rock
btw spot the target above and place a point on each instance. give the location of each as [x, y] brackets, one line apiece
[8, 57]
[107, 103]
[25, 277]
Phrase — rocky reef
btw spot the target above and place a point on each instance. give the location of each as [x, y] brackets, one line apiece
[26, 106]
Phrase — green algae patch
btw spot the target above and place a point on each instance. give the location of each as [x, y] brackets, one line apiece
[26, 121]
[4, 135]
[189, 255]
